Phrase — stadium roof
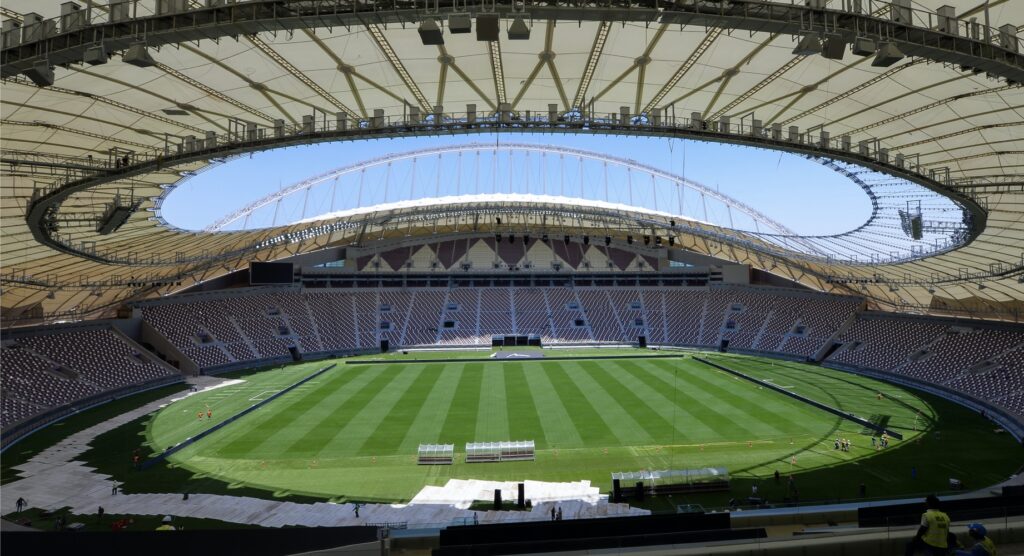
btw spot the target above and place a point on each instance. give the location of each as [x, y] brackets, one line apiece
[225, 80]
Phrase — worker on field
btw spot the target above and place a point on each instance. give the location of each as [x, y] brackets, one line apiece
[933, 535]
[165, 524]
[983, 545]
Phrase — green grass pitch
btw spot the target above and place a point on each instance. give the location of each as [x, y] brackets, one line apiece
[352, 432]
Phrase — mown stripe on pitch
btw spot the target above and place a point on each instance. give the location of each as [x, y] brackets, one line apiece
[792, 415]
[426, 427]
[523, 420]
[740, 397]
[619, 419]
[587, 419]
[460, 423]
[634, 378]
[266, 429]
[492, 415]
[390, 431]
[854, 392]
[351, 438]
[780, 409]
[178, 421]
[658, 426]
[336, 412]
[691, 400]
[558, 427]
[305, 428]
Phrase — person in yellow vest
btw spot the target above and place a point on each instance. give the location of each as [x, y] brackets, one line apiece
[166, 525]
[933, 536]
[983, 546]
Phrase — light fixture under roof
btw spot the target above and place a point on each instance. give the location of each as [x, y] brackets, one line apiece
[460, 23]
[487, 27]
[138, 55]
[95, 55]
[863, 46]
[430, 33]
[834, 46]
[40, 73]
[888, 54]
[518, 31]
[808, 45]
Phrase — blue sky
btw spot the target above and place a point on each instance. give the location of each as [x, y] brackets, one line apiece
[800, 194]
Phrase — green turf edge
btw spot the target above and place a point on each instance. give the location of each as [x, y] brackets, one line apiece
[822, 483]
[930, 477]
[36, 442]
[110, 453]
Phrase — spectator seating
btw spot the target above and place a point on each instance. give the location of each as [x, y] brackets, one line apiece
[983, 362]
[56, 368]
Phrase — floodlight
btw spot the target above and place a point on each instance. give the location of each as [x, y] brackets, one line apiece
[863, 46]
[487, 27]
[518, 31]
[430, 33]
[460, 23]
[888, 54]
[40, 73]
[809, 44]
[138, 55]
[834, 47]
[95, 55]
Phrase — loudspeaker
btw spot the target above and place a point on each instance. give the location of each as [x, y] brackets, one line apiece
[641, 341]
[522, 496]
[294, 351]
[384, 346]
[640, 490]
[724, 346]
[497, 499]
[616, 491]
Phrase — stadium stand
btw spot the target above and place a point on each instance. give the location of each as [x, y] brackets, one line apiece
[248, 326]
[48, 370]
[984, 363]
